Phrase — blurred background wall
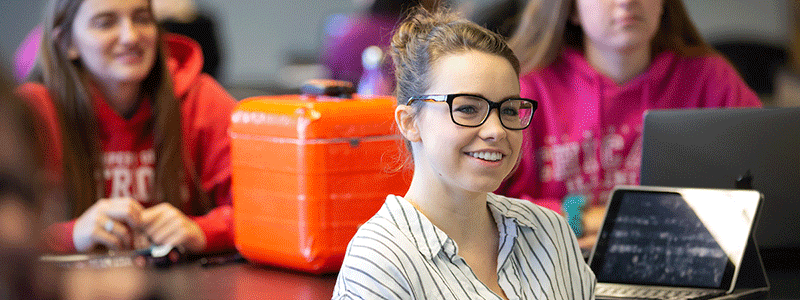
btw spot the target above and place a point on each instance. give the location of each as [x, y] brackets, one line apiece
[260, 37]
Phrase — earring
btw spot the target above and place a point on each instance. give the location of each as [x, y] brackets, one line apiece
[73, 54]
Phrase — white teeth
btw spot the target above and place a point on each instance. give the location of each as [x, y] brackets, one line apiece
[490, 156]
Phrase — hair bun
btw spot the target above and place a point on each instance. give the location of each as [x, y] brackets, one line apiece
[424, 37]
[419, 23]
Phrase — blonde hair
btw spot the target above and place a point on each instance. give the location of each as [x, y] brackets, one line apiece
[544, 30]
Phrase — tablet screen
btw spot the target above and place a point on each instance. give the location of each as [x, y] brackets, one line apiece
[693, 239]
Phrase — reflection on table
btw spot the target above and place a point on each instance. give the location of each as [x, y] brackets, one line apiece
[193, 281]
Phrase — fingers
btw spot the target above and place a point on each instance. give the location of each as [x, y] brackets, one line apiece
[154, 214]
[109, 233]
[107, 222]
[167, 233]
[120, 215]
[127, 210]
[88, 230]
[117, 229]
[166, 225]
[121, 233]
[155, 217]
[183, 233]
[141, 241]
[109, 240]
[160, 221]
[179, 239]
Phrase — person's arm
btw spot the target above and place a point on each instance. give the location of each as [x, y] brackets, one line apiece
[217, 224]
[726, 88]
[211, 152]
[57, 237]
[205, 117]
[372, 270]
[47, 128]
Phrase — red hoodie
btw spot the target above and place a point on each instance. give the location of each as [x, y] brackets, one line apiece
[128, 155]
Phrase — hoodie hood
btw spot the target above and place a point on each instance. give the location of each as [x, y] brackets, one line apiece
[659, 65]
[184, 60]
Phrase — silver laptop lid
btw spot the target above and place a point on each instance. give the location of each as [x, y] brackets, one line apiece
[674, 237]
[712, 148]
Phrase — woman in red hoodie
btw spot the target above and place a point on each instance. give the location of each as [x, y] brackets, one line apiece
[136, 134]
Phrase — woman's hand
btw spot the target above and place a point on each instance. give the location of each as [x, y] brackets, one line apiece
[108, 222]
[167, 225]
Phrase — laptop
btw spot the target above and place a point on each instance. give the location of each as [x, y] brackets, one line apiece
[672, 243]
[715, 148]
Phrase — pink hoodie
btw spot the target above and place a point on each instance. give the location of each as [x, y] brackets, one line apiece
[585, 137]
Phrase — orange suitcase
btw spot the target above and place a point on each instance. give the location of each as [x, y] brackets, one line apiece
[307, 171]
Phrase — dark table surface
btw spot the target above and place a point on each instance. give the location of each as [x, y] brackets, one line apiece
[237, 280]
[243, 280]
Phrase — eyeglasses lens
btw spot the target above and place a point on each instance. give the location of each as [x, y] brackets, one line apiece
[469, 111]
[472, 111]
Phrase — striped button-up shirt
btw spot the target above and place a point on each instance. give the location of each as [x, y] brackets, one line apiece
[400, 254]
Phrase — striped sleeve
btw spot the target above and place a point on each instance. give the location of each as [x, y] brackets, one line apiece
[372, 267]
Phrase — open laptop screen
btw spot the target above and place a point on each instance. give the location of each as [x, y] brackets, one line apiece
[692, 238]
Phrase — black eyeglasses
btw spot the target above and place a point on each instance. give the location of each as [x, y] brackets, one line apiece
[472, 110]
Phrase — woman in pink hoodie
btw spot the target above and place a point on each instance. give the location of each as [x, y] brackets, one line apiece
[134, 132]
[596, 66]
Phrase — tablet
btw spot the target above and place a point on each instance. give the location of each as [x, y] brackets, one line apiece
[674, 237]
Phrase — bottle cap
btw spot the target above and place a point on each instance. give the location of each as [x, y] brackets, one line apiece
[371, 57]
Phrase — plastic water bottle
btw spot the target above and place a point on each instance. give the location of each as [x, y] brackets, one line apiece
[573, 205]
[373, 81]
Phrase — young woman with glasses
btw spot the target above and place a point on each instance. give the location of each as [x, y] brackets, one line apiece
[449, 236]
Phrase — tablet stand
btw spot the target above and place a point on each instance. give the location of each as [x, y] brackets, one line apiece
[752, 274]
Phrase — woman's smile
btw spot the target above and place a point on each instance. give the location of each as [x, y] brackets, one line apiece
[130, 56]
[491, 156]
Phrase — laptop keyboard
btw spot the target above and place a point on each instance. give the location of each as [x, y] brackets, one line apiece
[654, 293]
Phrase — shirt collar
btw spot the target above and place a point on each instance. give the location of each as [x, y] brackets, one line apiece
[508, 209]
[430, 240]
[110, 121]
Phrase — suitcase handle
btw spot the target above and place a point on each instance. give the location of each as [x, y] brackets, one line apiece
[328, 87]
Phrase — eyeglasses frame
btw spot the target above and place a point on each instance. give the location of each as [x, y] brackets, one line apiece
[448, 98]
